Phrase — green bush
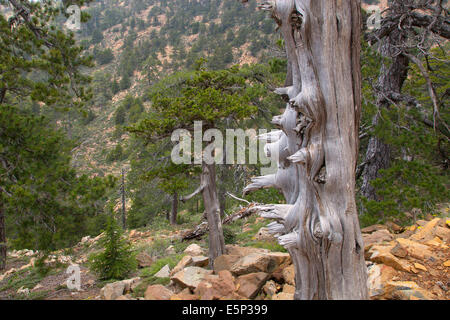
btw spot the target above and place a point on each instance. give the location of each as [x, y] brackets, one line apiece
[117, 260]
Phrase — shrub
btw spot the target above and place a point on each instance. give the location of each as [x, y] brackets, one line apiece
[117, 260]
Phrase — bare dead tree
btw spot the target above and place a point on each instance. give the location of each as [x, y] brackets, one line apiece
[317, 148]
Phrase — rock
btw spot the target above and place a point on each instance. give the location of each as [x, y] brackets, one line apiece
[259, 262]
[225, 262]
[420, 267]
[164, 272]
[170, 250]
[25, 291]
[242, 251]
[190, 277]
[113, 290]
[427, 232]
[283, 296]
[270, 288]
[436, 242]
[379, 275]
[287, 288]
[194, 250]
[157, 292]
[381, 254]
[249, 285]
[185, 295]
[415, 249]
[37, 287]
[200, 261]
[215, 287]
[144, 260]
[131, 284]
[399, 251]
[406, 290]
[184, 262]
[443, 233]
[376, 238]
[264, 235]
[289, 274]
[447, 263]
[373, 228]
[394, 227]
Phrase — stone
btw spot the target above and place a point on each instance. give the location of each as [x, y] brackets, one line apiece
[225, 262]
[184, 262]
[185, 295]
[373, 228]
[242, 251]
[200, 261]
[381, 254]
[259, 262]
[427, 231]
[378, 276]
[264, 235]
[190, 277]
[164, 272]
[270, 288]
[283, 296]
[447, 263]
[394, 227]
[443, 233]
[436, 242]
[214, 287]
[194, 250]
[131, 284]
[112, 290]
[287, 288]
[376, 238]
[415, 249]
[249, 285]
[170, 250]
[157, 292]
[406, 290]
[144, 260]
[420, 267]
[289, 275]
[399, 251]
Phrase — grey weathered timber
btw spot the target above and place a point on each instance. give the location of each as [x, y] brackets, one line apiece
[317, 148]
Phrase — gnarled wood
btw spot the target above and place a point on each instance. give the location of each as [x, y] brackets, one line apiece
[318, 148]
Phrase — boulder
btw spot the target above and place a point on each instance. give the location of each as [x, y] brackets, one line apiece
[194, 250]
[249, 285]
[185, 295]
[406, 290]
[373, 228]
[426, 232]
[243, 251]
[259, 262]
[443, 233]
[164, 272]
[170, 250]
[264, 235]
[131, 284]
[270, 288]
[381, 254]
[225, 262]
[379, 275]
[157, 292]
[112, 290]
[190, 277]
[144, 260]
[283, 296]
[399, 251]
[376, 237]
[215, 287]
[289, 274]
[184, 262]
[415, 249]
[200, 261]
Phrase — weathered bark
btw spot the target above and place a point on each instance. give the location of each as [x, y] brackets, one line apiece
[2, 236]
[174, 211]
[318, 148]
[212, 208]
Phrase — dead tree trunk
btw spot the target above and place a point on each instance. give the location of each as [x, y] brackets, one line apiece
[317, 148]
[174, 211]
[208, 188]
